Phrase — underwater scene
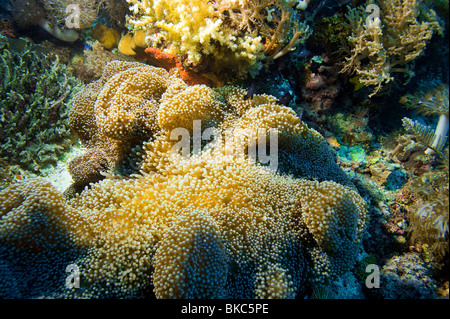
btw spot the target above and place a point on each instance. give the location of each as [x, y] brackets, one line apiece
[224, 149]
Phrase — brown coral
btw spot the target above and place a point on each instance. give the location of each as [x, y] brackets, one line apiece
[384, 45]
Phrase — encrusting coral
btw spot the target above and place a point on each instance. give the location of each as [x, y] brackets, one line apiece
[386, 43]
[212, 222]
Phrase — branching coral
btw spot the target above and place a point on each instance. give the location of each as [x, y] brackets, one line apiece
[385, 44]
[36, 93]
[213, 224]
[229, 34]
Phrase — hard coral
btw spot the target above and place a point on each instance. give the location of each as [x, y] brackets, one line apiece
[213, 223]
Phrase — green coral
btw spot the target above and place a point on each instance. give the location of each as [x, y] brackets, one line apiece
[36, 93]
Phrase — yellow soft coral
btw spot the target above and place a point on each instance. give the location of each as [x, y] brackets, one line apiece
[114, 111]
[206, 225]
[225, 35]
[108, 37]
[192, 27]
[128, 102]
[192, 103]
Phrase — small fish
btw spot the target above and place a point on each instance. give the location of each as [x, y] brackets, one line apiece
[333, 141]
[301, 115]
[303, 54]
[286, 99]
[17, 178]
[357, 85]
[251, 91]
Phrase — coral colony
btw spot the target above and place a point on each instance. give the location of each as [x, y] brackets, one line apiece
[288, 149]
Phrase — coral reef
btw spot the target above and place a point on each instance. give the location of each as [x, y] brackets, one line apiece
[210, 223]
[230, 149]
[36, 93]
[386, 44]
[406, 277]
